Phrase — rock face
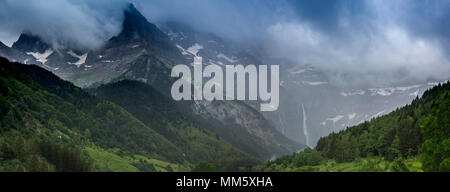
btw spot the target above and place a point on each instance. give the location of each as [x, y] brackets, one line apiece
[28, 42]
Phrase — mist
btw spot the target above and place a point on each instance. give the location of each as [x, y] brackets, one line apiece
[388, 42]
[76, 23]
[232, 19]
[359, 43]
[376, 41]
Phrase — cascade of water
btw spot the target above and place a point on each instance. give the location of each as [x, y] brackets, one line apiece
[305, 126]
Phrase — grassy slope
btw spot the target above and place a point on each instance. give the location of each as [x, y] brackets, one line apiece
[36, 104]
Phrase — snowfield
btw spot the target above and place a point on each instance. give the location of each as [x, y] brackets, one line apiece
[41, 57]
[81, 58]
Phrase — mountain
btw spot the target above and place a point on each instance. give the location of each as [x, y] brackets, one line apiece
[143, 52]
[43, 110]
[311, 105]
[13, 54]
[136, 28]
[167, 118]
[4, 49]
[28, 42]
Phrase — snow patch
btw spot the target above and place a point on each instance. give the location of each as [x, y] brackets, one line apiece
[41, 57]
[335, 119]
[81, 58]
[351, 116]
[391, 90]
[179, 35]
[415, 94]
[315, 83]
[403, 89]
[352, 93]
[382, 91]
[226, 58]
[212, 62]
[182, 50]
[194, 49]
[297, 72]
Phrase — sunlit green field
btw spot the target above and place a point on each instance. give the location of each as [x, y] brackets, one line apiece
[109, 161]
[372, 164]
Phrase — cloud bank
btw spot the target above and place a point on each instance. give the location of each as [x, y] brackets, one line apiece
[81, 23]
[376, 41]
[380, 41]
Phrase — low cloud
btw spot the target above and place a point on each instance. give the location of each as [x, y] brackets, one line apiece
[377, 41]
[84, 24]
[388, 54]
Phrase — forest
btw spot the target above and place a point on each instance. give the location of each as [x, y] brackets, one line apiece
[415, 137]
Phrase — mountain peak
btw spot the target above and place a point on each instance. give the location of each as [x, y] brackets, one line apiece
[28, 42]
[136, 25]
[3, 46]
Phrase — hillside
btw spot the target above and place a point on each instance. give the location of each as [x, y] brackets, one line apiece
[155, 110]
[48, 124]
[420, 129]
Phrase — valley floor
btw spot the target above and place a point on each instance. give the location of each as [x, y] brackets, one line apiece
[372, 164]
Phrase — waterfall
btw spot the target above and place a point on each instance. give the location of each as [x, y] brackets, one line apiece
[283, 128]
[305, 127]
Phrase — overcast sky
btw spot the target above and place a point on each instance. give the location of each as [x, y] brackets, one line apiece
[399, 39]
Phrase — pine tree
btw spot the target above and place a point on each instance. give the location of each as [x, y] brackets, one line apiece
[19, 148]
[20, 168]
[34, 163]
[399, 165]
[87, 134]
[435, 151]
[44, 167]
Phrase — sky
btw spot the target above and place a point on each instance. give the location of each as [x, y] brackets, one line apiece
[376, 40]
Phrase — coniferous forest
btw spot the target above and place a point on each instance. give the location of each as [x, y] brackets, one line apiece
[412, 138]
